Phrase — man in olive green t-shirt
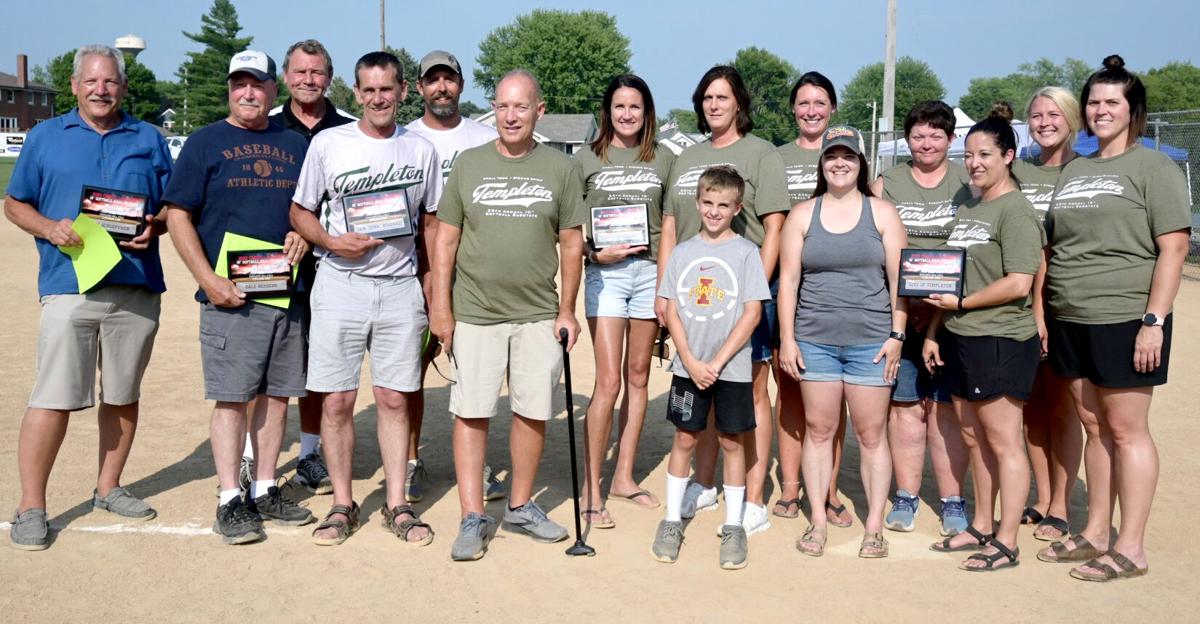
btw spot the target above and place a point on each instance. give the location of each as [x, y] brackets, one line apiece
[504, 208]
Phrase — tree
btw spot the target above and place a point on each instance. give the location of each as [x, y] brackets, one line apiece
[916, 82]
[685, 119]
[1173, 87]
[342, 96]
[413, 106]
[573, 55]
[769, 80]
[203, 75]
[470, 109]
[143, 99]
[1017, 87]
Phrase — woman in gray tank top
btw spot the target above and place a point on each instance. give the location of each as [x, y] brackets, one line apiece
[841, 327]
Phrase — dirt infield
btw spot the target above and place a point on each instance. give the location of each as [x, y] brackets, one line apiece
[174, 569]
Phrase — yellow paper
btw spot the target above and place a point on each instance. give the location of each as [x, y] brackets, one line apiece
[96, 257]
[237, 242]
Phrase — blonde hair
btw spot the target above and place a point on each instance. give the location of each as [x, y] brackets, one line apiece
[1065, 102]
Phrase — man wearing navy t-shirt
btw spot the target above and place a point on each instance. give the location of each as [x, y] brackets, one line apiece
[237, 176]
[111, 324]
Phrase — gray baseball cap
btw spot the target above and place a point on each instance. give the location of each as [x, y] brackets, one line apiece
[845, 136]
[253, 62]
[439, 57]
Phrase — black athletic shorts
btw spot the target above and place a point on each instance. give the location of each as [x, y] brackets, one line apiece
[687, 407]
[978, 368]
[1103, 354]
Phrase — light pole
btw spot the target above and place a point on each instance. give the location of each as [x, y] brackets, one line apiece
[887, 123]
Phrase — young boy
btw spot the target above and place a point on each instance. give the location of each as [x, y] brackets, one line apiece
[715, 285]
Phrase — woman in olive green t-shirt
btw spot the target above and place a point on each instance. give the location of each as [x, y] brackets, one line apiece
[989, 351]
[1053, 436]
[1118, 227]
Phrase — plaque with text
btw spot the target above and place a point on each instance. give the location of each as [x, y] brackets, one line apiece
[121, 213]
[620, 225]
[261, 273]
[382, 214]
[925, 272]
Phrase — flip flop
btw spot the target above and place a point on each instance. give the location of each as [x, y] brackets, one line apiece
[837, 511]
[1031, 516]
[1053, 522]
[786, 504]
[632, 499]
[601, 523]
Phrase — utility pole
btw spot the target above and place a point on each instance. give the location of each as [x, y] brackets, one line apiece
[887, 123]
[382, 36]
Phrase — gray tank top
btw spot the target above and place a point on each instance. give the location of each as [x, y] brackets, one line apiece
[843, 299]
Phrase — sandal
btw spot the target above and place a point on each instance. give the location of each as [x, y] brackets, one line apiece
[994, 561]
[873, 546]
[785, 504]
[1052, 522]
[633, 499]
[837, 512]
[814, 540]
[1031, 516]
[1059, 553]
[602, 519]
[1128, 569]
[402, 528]
[344, 527]
[980, 538]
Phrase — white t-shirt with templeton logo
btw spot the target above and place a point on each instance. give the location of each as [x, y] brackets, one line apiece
[450, 143]
[343, 161]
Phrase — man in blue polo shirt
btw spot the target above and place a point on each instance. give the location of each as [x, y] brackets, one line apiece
[113, 324]
[237, 176]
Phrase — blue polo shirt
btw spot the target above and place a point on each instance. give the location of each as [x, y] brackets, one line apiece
[59, 158]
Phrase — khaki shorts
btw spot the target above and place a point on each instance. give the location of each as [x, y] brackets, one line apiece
[483, 354]
[111, 328]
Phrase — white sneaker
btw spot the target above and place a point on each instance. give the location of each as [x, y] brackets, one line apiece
[698, 498]
[754, 519]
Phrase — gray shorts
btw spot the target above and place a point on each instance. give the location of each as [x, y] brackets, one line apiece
[112, 328]
[250, 350]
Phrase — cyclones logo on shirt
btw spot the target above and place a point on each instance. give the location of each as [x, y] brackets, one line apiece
[707, 289]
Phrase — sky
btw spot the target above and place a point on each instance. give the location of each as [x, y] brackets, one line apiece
[673, 41]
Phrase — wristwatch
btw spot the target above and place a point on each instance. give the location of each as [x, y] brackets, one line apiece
[1152, 320]
[897, 335]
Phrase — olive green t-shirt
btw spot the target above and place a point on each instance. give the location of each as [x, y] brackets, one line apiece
[1000, 236]
[1102, 223]
[510, 211]
[755, 159]
[926, 212]
[1037, 182]
[626, 180]
[800, 167]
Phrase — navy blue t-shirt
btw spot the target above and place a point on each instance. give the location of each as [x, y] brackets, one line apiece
[236, 180]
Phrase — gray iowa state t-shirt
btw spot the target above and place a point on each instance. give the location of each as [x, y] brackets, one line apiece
[711, 283]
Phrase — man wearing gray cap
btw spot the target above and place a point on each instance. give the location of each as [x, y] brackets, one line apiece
[236, 177]
[440, 85]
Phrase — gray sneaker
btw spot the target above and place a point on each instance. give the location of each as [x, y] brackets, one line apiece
[531, 520]
[414, 481]
[238, 524]
[245, 475]
[30, 530]
[280, 509]
[733, 547]
[122, 503]
[474, 533]
[492, 488]
[667, 541]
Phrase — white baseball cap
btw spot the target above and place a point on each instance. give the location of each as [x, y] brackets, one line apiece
[253, 62]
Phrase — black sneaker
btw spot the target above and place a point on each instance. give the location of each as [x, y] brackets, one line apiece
[312, 474]
[238, 524]
[278, 508]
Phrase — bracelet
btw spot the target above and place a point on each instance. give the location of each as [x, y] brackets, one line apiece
[961, 308]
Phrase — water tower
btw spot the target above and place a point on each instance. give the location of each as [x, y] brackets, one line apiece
[131, 45]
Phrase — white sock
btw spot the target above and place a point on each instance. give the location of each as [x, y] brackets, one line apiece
[734, 495]
[308, 443]
[258, 488]
[228, 495]
[249, 450]
[675, 488]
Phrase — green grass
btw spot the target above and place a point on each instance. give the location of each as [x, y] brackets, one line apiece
[6, 169]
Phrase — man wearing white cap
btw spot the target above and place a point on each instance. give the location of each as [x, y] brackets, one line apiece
[440, 85]
[237, 176]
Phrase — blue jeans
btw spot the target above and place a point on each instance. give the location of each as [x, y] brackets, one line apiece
[851, 364]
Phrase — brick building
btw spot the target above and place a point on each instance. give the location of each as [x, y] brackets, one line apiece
[23, 103]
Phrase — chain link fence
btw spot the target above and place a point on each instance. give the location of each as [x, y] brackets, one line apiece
[1176, 133]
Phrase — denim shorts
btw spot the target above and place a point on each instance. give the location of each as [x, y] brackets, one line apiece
[766, 334]
[850, 364]
[913, 381]
[621, 290]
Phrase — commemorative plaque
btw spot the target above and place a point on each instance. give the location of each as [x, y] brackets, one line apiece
[617, 225]
[382, 214]
[261, 273]
[925, 272]
[122, 214]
